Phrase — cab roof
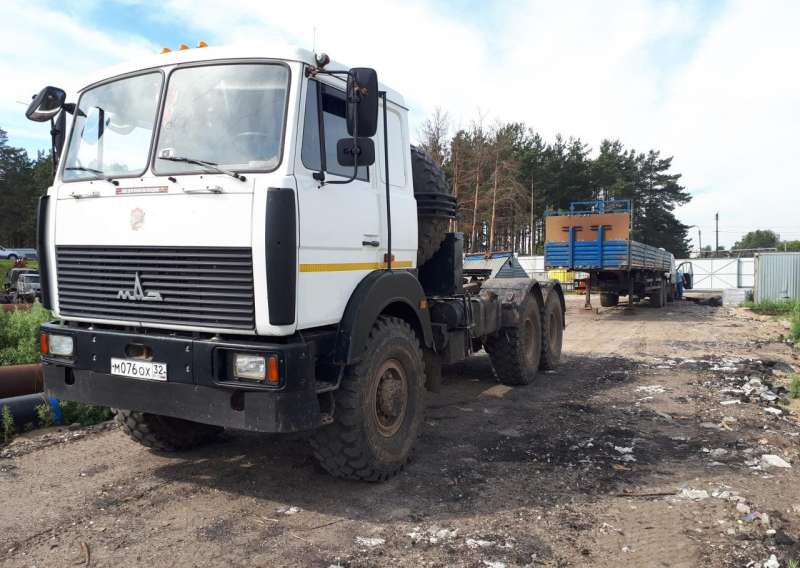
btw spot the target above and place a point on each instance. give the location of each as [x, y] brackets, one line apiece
[222, 53]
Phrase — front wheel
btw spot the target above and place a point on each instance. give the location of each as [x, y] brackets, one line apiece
[165, 433]
[378, 409]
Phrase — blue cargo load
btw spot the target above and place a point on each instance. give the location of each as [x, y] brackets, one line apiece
[578, 240]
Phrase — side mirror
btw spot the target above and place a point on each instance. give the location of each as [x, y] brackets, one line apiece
[362, 102]
[348, 148]
[46, 105]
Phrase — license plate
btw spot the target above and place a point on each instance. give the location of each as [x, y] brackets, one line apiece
[139, 369]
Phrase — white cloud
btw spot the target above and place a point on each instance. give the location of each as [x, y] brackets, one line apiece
[714, 85]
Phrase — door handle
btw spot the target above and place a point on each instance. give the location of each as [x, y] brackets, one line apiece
[371, 243]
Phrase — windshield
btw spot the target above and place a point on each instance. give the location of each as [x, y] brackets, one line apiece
[228, 115]
[113, 128]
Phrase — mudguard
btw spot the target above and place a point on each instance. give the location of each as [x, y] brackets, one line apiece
[397, 293]
[514, 292]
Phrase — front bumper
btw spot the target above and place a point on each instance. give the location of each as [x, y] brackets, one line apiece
[198, 386]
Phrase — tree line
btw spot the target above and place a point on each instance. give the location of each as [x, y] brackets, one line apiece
[506, 177]
[22, 181]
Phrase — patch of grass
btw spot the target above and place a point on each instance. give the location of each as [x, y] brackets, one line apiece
[74, 412]
[794, 386]
[19, 335]
[793, 564]
[773, 307]
[7, 425]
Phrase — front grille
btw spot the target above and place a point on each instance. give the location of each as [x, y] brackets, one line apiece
[197, 286]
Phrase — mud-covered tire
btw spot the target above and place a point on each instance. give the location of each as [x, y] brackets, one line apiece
[428, 177]
[379, 407]
[515, 352]
[164, 433]
[552, 340]
[609, 299]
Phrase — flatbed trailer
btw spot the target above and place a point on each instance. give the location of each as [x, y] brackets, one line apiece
[593, 237]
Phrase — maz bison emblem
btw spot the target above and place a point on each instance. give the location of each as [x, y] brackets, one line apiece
[137, 219]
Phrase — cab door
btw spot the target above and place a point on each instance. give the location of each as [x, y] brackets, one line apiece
[339, 224]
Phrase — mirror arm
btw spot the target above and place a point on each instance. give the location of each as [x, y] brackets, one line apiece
[355, 141]
[323, 159]
[53, 134]
[382, 95]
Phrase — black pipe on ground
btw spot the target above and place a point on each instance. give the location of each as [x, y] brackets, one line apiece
[18, 380]
[23, 409]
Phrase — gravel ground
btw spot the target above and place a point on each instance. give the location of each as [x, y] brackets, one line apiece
[645, 448]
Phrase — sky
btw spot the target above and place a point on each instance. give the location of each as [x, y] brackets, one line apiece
[715, 84]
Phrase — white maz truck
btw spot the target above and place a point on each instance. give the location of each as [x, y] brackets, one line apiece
[248, 241]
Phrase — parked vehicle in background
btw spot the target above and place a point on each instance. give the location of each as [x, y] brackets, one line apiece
[28, 288]
[17, 253]
[594, 237]
[13, 276]
[259, 268]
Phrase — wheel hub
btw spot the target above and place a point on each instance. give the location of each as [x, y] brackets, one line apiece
[391, 397]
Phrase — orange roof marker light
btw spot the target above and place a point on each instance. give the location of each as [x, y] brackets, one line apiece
[183, 47]
[165, 50]
[202, 44]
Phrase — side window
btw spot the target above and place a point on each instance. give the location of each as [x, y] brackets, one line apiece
[397, 151]
[335, 126]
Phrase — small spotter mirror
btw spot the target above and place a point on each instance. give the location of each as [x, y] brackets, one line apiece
[362, 101]
[46, 105]
[348, 148]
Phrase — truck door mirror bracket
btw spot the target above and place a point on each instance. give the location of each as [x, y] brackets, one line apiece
[348, 149]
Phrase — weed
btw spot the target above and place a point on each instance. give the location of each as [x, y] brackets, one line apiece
[45, 414]
[793, 564]
[8, 425]
[794, 386]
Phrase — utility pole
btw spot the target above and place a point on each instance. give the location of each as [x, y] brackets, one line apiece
[700, 241]
[716, 241]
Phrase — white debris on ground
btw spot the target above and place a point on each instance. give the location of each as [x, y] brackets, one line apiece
[432, 535]
[289, 510]
[369, 542]
[771, 460]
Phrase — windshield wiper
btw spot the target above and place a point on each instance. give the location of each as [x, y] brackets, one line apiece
[211, 165]
[100, 173]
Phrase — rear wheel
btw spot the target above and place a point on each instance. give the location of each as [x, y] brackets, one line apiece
[165, 433]
[659, 297]
[378, 409]
[553, 333]
[609, 299]
[516, 352]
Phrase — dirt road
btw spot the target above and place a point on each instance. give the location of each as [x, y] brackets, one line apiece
[644, 449]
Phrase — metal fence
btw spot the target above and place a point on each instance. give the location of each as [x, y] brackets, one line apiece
[721, 273]
[777, 276]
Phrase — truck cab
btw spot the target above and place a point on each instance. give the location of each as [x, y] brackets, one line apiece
[221, 248]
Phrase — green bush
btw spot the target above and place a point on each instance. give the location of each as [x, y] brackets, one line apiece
[19, 335]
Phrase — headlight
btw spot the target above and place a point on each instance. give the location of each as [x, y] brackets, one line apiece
[257, 367]
[247, 366]
[58, 345]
